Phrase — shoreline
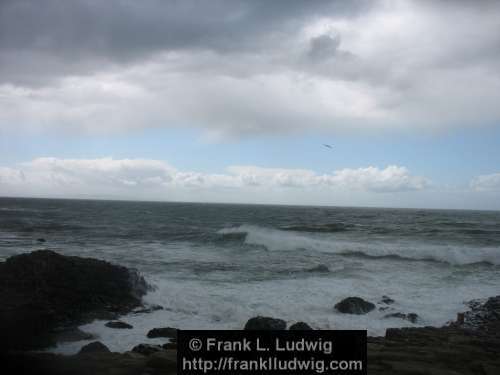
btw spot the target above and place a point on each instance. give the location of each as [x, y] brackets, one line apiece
[469, 345]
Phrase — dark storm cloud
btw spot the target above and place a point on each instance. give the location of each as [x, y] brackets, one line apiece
[43, 39]
[324, 46]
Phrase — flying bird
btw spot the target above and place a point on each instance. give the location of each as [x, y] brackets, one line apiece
[329, 146]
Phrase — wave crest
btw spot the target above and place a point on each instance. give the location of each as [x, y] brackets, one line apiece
[283, 240]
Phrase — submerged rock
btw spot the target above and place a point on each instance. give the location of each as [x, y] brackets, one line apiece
[94, 347]
[354, 305]
[320, 268]
[168, 332]
[146, 349]
[118, 324]
[265, 323]
[387, 300]
[300, 326]
[148, 309]
[411, 317]
[43, 290]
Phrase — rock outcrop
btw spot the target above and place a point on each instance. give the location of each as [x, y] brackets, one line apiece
[147, 349]
[300, 326]
[117, 324]
[265, 323]
[354, 305]
[467, 348]
[43, 290]
[168, 332]
[94, 347]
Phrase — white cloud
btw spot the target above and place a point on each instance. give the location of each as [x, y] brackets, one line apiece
[488, 182]
[139, 178]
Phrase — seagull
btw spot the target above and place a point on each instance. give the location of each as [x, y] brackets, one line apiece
[329, 146]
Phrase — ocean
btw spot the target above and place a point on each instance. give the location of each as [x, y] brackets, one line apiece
[214, 266]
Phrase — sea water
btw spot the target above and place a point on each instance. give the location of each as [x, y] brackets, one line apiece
[215, 266]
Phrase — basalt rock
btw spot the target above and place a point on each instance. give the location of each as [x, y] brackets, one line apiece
[147, 309]
[354, 305]
[146, 349]
[118, 325]
[411, 317]
[43, 290]
[94, 347]
[320, 268]
[300, 326]
[265, 323]
[387, 300]
[168, 332]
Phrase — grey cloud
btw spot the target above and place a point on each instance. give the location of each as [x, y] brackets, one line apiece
[324, 46]
[247, 67]
[47, 39]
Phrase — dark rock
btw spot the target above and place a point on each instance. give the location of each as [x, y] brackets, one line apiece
[118, 324]
[320, 268]
[146, 349]
[43, 290]
[300, 326]
[396, 315]
[387, 300]
[484, 315]
[163, 332]
[94, 347]
[354, 305]
[411, 317]
[265, 323]
[148, 309]
[40, 239]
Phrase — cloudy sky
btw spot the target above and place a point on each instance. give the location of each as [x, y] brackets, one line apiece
[232, 101]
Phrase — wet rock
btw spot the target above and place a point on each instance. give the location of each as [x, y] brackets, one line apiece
[411, 317]
[118, 325]
[146, 349]
[41, 240]
[94, 347]
[354, 305]
[265, 323]
[43, 290]
[163, 332]
[148, 309]
[320, 268]
[300, 326]
[387, 300]
[484, 315]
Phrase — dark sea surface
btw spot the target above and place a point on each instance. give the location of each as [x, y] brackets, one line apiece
[216, 265]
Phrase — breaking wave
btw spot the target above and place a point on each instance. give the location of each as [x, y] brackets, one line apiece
[281, 240]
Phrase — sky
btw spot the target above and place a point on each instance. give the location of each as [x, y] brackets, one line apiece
[233, 101]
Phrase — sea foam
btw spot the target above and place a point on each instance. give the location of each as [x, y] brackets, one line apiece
[280, 240]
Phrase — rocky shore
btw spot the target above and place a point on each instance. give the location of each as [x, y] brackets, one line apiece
[45, 293]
